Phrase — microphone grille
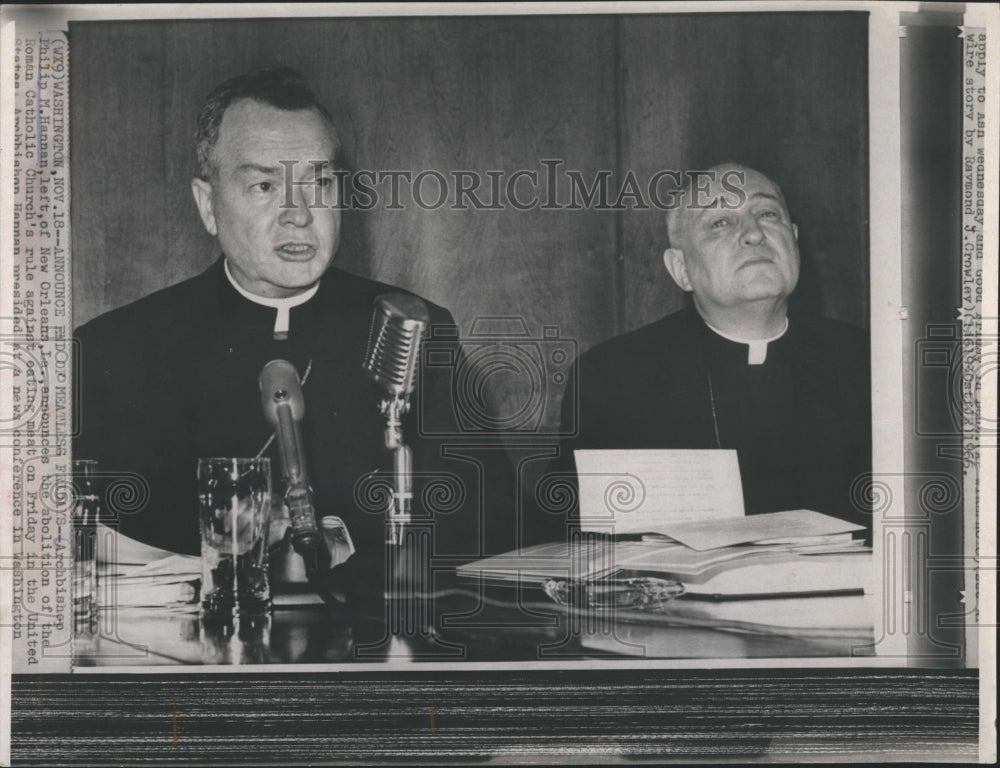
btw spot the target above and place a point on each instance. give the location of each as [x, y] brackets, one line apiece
[398, 325]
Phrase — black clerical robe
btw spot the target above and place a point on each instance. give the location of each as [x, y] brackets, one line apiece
[173, 377]
[800, 422]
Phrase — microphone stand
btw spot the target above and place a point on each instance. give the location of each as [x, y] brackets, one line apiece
[407, 565]
[400, 504]
[392, 363]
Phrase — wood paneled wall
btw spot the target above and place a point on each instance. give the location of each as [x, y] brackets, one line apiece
[783, 92]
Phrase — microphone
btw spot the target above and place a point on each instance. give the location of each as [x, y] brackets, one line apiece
[284, 406]
[392, 360]
[394, 343]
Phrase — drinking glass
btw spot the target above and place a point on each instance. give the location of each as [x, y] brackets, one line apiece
[234, 501]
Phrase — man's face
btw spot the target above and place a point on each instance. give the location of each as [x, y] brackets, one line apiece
[276, 244]
[741, 251]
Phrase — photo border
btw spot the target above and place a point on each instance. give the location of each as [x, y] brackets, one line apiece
[887, 300]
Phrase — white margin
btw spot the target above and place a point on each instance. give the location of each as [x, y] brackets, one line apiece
[8, 35]
[886, 266]
[988, 16]
[886, 270]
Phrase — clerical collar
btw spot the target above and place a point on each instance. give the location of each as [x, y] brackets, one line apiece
[757, 352]
[281, 305]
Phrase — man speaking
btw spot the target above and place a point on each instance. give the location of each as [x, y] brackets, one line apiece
[174, 376]
[791, 394]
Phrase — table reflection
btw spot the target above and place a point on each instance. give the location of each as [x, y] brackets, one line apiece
[467, 624]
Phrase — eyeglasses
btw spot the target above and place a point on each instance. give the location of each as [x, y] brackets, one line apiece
[636, 592]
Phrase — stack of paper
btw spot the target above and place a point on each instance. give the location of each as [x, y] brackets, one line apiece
[814, 553]
[797, 574]
[136, 575]
[537, 564]
[784, 577]
[175, 579]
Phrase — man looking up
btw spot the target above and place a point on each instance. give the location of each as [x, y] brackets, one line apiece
[790, 394]
[738, 256]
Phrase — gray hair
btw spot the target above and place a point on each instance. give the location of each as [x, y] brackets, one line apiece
[280, 87]
[677, 213]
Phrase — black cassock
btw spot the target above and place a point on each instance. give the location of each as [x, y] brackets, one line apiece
[173, 377]
[800, 421]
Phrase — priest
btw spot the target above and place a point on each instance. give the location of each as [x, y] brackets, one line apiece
[790, 394]
[174, 376]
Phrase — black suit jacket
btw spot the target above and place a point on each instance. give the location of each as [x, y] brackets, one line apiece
[800, 423]
[173, 377]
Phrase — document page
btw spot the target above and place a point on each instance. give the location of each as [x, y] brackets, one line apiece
[777, 526]
[120, 549]
[641, 491]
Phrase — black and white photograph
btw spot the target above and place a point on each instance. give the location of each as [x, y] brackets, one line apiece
[517, 383]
